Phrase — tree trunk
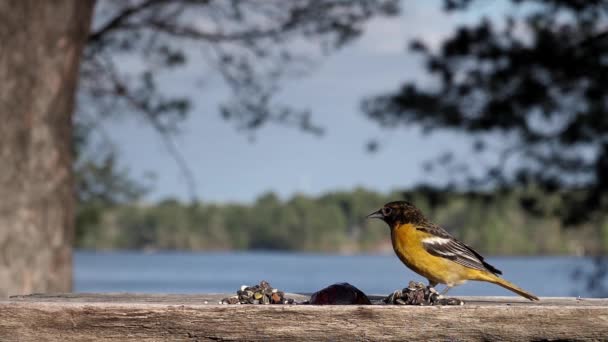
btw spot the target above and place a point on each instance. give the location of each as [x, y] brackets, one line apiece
[40, 47]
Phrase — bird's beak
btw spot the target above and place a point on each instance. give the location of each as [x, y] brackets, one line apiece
[376, 214]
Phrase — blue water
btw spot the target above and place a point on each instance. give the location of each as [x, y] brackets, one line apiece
[180, 272]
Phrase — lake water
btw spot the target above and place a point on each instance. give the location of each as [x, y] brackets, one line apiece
[180, 272]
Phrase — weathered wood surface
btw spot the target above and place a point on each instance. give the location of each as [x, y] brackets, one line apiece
[128, 317]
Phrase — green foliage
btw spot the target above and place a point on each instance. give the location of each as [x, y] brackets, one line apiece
[530, 89]
[100, 183]
[335, 222]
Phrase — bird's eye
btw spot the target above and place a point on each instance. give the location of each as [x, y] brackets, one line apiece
[386, 211]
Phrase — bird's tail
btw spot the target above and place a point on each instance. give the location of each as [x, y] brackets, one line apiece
[511, 287]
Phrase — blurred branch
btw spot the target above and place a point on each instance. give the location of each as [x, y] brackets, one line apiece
[119, 20]
[121, 90]
[254, 45]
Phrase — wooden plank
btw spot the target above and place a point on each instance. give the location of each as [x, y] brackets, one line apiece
[129, 317]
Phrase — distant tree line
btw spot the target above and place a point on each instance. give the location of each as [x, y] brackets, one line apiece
[494, 223]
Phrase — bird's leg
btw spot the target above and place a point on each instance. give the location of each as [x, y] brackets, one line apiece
[432, 284]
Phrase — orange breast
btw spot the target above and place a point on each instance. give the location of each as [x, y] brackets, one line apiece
[407, 243]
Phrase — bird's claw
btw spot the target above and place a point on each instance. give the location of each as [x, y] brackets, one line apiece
[432, 289]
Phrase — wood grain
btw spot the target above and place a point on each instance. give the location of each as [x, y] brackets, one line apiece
[128, 317]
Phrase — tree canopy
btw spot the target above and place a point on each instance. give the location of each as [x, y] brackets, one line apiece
[253, 45]
[535, 83]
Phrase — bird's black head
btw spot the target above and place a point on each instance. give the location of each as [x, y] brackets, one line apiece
[397, 213]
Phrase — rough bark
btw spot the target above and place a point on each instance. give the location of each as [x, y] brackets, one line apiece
[125, 317]
[40, 47]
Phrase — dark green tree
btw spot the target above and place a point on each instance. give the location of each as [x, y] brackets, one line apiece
[535, 83]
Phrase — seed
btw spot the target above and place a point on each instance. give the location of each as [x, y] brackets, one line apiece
[262, 293]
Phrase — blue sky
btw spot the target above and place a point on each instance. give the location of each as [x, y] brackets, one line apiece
[228, 166]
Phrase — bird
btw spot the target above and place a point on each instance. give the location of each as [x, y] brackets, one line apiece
[432, 252]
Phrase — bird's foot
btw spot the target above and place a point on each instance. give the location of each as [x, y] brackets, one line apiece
[442, 299]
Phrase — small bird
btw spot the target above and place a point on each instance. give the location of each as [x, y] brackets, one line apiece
[432, 252]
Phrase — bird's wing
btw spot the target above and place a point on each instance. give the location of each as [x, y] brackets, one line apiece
[440, 243]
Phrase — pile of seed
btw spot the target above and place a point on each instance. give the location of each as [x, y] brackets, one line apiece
[258, 294]
[418, 294]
